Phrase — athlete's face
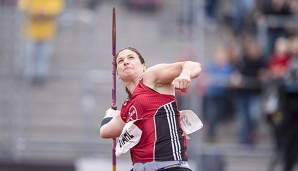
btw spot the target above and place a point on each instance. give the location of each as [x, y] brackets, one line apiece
[129, 65]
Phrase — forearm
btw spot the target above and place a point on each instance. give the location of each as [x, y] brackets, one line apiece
[108, 131]
[191, 69]
[111, 125]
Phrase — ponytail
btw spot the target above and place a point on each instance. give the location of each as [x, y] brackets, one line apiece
[128, 93]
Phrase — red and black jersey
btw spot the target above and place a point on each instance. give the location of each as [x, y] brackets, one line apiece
[158, 117]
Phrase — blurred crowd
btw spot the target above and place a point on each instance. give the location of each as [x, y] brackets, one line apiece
[254, 77]
[255, 67]
[241, 74]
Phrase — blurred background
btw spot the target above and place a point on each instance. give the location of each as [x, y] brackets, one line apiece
[55, 79]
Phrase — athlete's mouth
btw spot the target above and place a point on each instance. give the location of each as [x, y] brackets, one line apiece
[127, 68]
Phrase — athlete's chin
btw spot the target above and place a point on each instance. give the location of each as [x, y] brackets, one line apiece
[128, 72]
[127, 76]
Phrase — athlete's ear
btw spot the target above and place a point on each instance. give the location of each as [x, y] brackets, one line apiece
[144, 67]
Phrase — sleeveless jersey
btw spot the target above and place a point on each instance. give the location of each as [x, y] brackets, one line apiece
[158, 117]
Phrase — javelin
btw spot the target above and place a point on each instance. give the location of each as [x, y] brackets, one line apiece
[114, 105]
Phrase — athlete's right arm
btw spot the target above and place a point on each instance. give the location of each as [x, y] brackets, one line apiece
[112, 127]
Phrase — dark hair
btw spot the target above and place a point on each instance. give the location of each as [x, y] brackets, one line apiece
[140, 57]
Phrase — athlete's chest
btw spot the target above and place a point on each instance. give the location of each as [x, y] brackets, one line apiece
[139, 107]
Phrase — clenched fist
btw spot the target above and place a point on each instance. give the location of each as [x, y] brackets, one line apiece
[182, 83]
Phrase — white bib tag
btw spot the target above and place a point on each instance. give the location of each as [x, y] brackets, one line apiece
[130, 136]
[190, 122]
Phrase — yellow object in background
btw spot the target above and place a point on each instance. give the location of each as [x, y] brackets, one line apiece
[41, 17]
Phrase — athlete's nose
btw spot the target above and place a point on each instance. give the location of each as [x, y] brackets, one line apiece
[125, 62]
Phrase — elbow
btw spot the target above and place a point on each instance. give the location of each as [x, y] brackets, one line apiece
[196, 70]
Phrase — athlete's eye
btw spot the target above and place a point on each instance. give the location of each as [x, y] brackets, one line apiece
[130, 57]
[120, 61]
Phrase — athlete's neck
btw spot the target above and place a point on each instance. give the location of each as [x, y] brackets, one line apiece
[133, 84]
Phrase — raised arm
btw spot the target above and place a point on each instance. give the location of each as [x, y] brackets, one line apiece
[176, 75]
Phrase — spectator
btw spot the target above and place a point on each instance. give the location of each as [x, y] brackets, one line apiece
[292, 73]
[246, 81]
[273, 88]
[234, 51]
[279, 60]
[40, 27]
[215, 78]
[275, 8]
[243, 11]
[284, 120]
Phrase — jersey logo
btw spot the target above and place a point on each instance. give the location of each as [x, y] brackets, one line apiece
[132, 114]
